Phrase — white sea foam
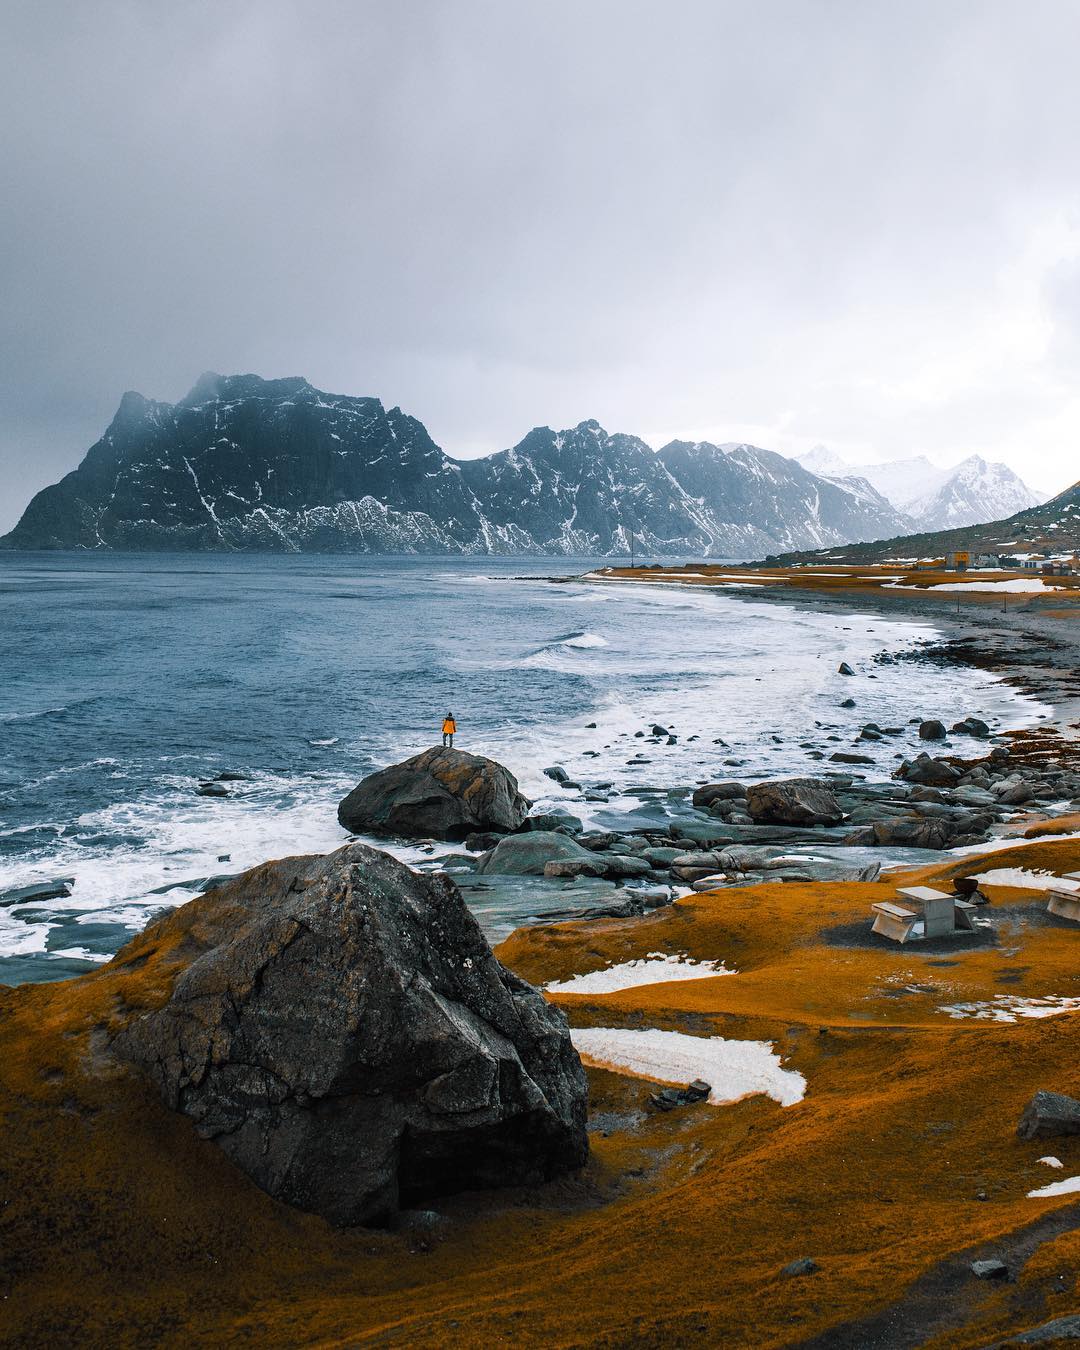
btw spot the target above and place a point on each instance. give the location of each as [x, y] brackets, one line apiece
[656, 968]
[733, 1069]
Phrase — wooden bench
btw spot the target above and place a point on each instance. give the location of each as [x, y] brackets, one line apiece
[893, 921]
[1065, 904]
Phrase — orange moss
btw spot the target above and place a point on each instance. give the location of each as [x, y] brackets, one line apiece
[119, 1226]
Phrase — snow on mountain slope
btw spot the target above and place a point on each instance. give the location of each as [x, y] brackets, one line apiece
[971, 493]
[974, 492]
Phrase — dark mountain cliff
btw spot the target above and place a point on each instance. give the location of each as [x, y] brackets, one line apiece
[244, 463]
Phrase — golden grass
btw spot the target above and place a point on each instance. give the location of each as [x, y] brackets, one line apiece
[119, 1227]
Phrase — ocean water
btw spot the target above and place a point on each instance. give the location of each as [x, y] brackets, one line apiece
[129, 679]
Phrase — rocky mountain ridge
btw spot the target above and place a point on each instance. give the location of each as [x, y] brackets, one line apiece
[242, 463]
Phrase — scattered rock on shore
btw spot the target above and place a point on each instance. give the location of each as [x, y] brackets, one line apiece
[525, 855]
[794, 801]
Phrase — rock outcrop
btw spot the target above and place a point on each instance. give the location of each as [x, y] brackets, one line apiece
[340, 1028]
[1049, 1115]
[440, 794]
[793, 801]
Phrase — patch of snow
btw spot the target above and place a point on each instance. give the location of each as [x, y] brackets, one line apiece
[1052, 1162]
[656, 968]
[733, 1069]
[1067, 1187]
[1008, 1007]
[1026, 880]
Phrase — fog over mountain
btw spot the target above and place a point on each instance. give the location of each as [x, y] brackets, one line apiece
[244, 463]
[973, 492]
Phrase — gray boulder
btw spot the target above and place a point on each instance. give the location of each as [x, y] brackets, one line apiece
[524, 855]
[972, 726]
[440, 794]
[913, 832]
[929, 772]
[339, 1027]
[1049, 1115]
[794, 801]
[932, 730]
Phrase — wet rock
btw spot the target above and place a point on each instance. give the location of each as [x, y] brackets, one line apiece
[1049, 1115]
[848, 703]
[999, 754]
[569, 868]
[57, 889]
[211, 790]
[231, 776]
[932, 730]
[846, 757]
[442, 793]
[929, 772]
[971, 726]
[482, 841]
[704, 796]
[526, 855]
[560, 821]
[794, 801]
[339, 1027]
[557, 773]
[913, 832]
[844, 669]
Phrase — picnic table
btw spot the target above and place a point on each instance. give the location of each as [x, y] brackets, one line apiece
[1064, 901]
[923, 913]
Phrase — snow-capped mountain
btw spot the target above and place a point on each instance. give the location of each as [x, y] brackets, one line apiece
[1049, 530]
[742, 482]
[972, 493]
[252, 464]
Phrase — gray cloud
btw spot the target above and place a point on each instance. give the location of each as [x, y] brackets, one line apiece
[792, 222]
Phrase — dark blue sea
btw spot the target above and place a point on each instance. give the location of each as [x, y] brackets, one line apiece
[128, 680]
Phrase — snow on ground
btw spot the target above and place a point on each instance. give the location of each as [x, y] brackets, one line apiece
[1008, 1007]
[733, 1069]
[1018, 586]
[1066, 1187]
[1024, 880]
[656, 968]
[1052, 1162]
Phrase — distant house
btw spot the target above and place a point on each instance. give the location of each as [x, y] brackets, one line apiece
[984, 560]
[1057, 567]
[958, 561]
[1033, 562]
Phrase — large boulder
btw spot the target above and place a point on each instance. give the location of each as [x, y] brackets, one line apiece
[1049, 1115]
[793, 801]
[525, 854]
[340, 1028]
[440, 794]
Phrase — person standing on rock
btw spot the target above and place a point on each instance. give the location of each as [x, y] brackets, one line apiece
[449, 728]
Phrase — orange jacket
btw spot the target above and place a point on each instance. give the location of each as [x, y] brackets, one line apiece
[449, 726]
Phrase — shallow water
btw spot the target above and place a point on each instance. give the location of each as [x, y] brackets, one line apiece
[128, 679]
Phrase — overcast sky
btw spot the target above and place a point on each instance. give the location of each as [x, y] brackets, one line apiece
[846, 222]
